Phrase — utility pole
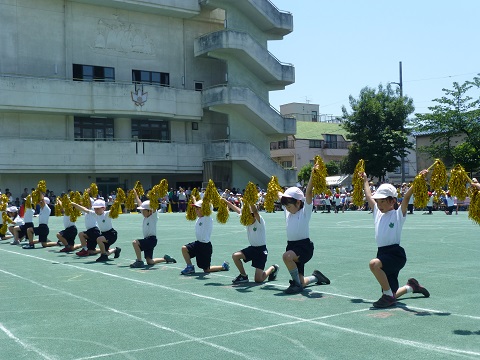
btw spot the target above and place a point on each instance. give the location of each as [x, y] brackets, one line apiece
[400, 84]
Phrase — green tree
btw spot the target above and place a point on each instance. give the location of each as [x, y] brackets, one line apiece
[378, 127]
[332, 168]
[456, 114]
[304, 173]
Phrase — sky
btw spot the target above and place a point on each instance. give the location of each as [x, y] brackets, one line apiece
[339, 47]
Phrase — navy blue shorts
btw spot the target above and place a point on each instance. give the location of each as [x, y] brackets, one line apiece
[393, 260]
[92, 235]
[203, 253]
[304, 250]
[69, 234]
[147, 245]
[42, 231]
[256, 254]
[23, 229]
[111, 236]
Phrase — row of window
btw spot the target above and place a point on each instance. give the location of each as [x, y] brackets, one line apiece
[103, 129]
[107, 74]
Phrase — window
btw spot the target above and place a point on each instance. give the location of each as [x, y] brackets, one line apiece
[315, 144]
[314, 116]
[198, 86]
[150, 130]
[286, 164]
[93, 73]
[331, 141]
[87, 129]
[151, 77]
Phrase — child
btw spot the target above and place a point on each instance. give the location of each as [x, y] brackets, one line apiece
[108, 235]
[391, 256]
[20, 231]
[257, 251]
[149, 241]
[17, 221]
[88, 238]
[298, 211]
[42, 229]
[68, 235]
[202, 247]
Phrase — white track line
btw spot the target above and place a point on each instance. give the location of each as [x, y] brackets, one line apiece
[25, 346]
[441, 349]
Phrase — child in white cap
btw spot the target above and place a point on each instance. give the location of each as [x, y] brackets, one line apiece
[149, 241]
[298, 211]
[201, 248]
[42, 229]
[391, 257]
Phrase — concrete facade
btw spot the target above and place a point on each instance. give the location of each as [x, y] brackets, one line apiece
[212, 100]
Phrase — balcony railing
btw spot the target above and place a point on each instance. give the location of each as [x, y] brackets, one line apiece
[286, 144]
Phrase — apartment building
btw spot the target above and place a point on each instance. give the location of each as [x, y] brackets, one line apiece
[113, 91]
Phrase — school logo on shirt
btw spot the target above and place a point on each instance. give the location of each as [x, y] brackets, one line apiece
[103, 220]
[199, 224]
[391, 225]
[148, 224]
[254, 229]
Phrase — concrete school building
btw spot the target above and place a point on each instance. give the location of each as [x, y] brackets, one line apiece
[113, 91]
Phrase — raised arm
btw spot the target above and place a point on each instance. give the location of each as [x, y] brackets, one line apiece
[254, 210]
[366, 189]
[309, 189]
[139, 202]
[80, 207]
[408, 194]
[232, 206]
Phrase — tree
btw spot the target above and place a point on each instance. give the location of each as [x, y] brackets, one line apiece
[456, 114]
[304, 173]
[378, 127]
[332, 168]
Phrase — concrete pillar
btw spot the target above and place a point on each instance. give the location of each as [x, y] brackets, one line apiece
[122, 128]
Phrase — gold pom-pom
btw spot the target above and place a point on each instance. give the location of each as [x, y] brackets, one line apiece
[458, 182]
[162, 188]
[420, 192]
[439, 176]
[58, 209]
[249, 198]
[139, 189]
[191, 214]
[357, 182]
[131, 203]
[153, 195]
[319, 176]
[115, 209]
[93, 191]
[36, 196]
[74, 212]
[42, 186]
[3, 202]
[6, 220]
[121, 197]
[211, 196]
[474, 207]
[28, 202]
[272, 194]
[222, 213]
[86, 202]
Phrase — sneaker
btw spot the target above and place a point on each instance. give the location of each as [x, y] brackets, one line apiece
[240, 279]
[273, 274]
[294, 288]
[102, 258]
[169, 259]
[137, 264]
[66, 249]
[82, 253]
[190, 269]
[15, 242]
[385, 301]
[226, 266]
[417, 288]
[321, 279]
[117, 252]
[28, 246]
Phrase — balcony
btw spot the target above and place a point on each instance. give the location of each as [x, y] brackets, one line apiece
[175, 8]
[59, 96]
[68, 156]
[266, 16]
[249, 52]
[250, 158]
[251, 106]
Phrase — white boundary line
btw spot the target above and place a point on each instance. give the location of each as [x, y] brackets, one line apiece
[441, 349]
[26, 346]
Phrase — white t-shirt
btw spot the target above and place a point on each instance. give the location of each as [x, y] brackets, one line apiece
[104, 222]
[44, 215]
[28, 215]
[297, 224]
[388, 226]
[67, 222]
[149, 225]
[203, 229]
[256, 233]
[90, 220]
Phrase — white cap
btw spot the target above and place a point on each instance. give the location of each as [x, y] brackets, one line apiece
[294, 192]
[98, 204]
[12, 209]
[384, 191]
[197, 203]
[145, 205]
[47, 200]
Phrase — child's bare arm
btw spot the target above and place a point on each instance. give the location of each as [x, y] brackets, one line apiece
[366, 189]
[80, 207]
[232, 206]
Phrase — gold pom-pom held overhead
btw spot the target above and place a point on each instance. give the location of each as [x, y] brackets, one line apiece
[458, 182]
[438, 178]
[139, 189]
[93, 190]
[357, 182]
[191, 214]
[272, 194]
[420, 192]
[249, 198]
[222, 213]
[319, 176]
[474, 207]
[42, 186]
[131, 203]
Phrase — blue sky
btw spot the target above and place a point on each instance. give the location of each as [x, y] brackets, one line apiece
[338, 47]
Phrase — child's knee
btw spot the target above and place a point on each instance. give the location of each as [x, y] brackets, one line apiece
[289, 256]
[375, 264]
